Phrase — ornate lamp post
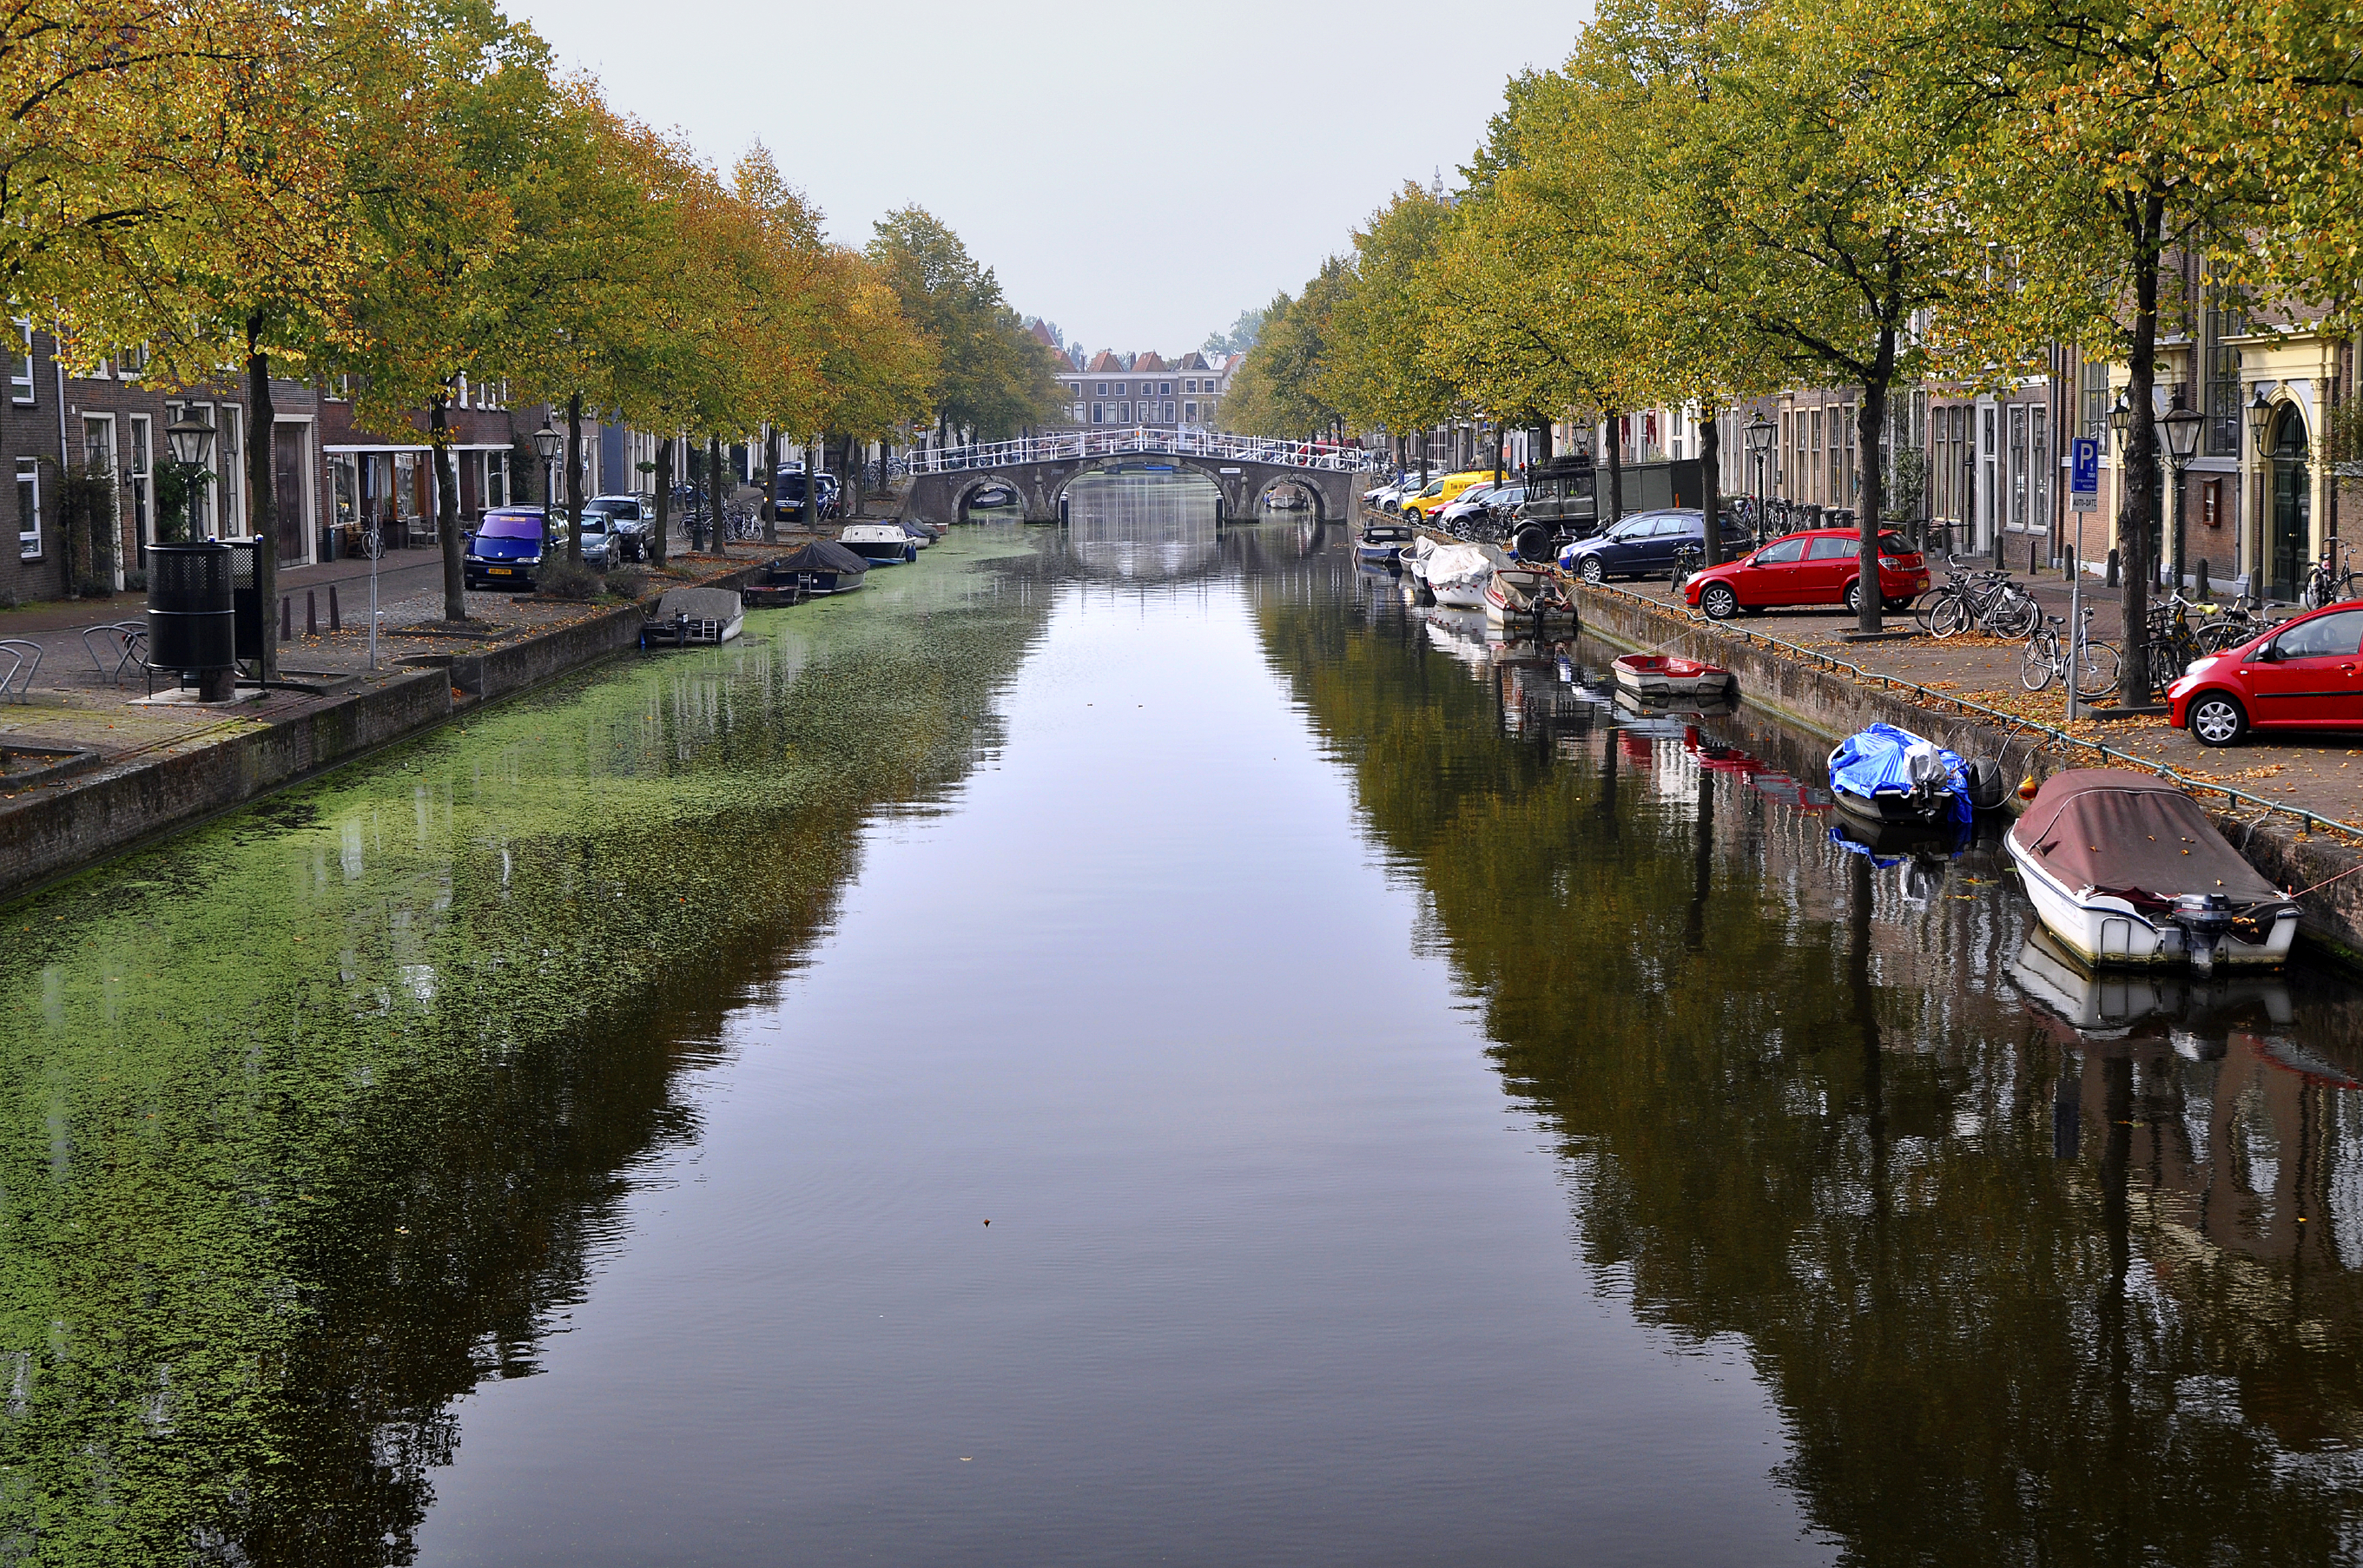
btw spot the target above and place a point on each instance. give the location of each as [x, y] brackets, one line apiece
[191, 440]
[546, 443]
[1759, 432]
[2121, 425]
[2180, 427]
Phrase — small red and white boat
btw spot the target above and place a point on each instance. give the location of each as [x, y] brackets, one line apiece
[1515, 595]
[1658, 677]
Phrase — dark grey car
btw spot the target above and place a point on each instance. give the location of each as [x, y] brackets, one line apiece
[625, 524]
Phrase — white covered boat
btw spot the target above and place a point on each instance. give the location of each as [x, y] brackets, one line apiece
[1456, 575]
[881, 544]
[2127, 869]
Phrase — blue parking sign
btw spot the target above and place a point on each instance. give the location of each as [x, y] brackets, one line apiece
[2083, 474]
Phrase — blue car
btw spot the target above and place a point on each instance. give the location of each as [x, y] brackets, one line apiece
[505, 550]
[1644, 544]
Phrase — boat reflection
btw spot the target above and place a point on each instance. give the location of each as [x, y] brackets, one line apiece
[2079, 1006]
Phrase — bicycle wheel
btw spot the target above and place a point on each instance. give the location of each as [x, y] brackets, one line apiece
[1949, 617]
[2015, 613]
[1924, 614]
[2098, 672]
[2036, 669]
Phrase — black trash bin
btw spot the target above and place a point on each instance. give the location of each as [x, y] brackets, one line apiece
[192, 616]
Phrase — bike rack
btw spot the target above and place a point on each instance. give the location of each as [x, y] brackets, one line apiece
[27, 663]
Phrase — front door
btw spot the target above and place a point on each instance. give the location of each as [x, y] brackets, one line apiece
[2292, 511]
[288, 494]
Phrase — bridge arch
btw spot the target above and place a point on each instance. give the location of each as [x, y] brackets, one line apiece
[1040, 470]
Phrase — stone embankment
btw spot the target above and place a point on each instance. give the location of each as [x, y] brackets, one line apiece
[1836, 690]
[90, 768]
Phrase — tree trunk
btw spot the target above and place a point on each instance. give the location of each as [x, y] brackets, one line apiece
[1711, 484]
[574, 480]
[771, 485]
[718, 525]
[811, 486]
[1615, 444]
[1497, 453]
[1869, 419]
[447, 511]
[2137, 507]
[664, 505]
[262, 493]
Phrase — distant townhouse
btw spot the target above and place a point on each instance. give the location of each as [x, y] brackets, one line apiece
[1146, 389]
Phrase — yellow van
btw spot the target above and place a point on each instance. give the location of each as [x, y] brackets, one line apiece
[1442, 493]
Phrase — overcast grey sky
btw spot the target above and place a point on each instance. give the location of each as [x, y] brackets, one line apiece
[1137, 174]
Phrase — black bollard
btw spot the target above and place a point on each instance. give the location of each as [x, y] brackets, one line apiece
[2112, 569]
[335, 619]
[287, 620]
[311, 613]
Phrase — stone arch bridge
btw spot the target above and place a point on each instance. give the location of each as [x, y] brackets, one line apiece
[945, 481]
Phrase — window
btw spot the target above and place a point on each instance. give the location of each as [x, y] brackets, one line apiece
[2326, 636]
[1834, 547]
[1816, 461]
[1164, 388]
[2227, 317]
[1782, 552]
[28, 508]
[1189, 386]
[1102, 389]
[1989, 466]
[132, 363]
[1842, 454]
[1168, 411]
[1190, 412]
[20, 364]
[1123, 411]
[1119, 389]
[231, 441]
[2096, 402]
[1099, 413]
[2040, 419]
[495, 489]
[139, 482]
[2019, 478]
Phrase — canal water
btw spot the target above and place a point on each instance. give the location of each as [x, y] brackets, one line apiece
[1131, 1043]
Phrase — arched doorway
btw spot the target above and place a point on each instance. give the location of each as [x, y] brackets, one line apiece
[2288, 512]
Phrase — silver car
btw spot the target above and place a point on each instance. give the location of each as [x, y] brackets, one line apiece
[623, 522]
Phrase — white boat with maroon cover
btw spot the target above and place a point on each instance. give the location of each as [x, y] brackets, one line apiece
[2124, 869]
[1661, 678]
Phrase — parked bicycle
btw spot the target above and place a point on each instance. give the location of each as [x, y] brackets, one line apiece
[2097, 663]
[1992, 602]
[2326, 585]
[2171, 644]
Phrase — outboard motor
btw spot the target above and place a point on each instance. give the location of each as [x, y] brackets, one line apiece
[2204, 918]
[1931, 782]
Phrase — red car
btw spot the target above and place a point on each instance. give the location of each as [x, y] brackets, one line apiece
[2304, 674]
[1817, 568]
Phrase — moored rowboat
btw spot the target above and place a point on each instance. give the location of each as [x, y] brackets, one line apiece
[1658, 677]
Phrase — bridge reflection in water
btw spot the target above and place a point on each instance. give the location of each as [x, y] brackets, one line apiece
[1143, 525]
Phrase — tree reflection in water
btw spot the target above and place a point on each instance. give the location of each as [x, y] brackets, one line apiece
[1804, 1102]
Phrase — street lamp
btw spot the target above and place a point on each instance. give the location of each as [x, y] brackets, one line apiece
[2260, 422]
[2181, 427]
[190, 440]
[546, 443]
[1758, 432]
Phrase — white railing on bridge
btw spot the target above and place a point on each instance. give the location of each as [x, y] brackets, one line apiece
[1143, 442]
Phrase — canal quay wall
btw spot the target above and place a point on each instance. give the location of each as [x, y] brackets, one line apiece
[49, 831]
[1833, 703]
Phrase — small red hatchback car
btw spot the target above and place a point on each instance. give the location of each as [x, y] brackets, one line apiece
[1817, 567]
[2304, 674]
